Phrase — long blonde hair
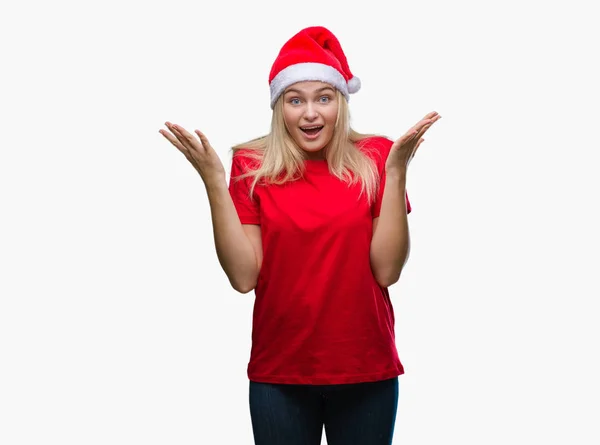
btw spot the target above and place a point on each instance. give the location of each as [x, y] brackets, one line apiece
[281, 160]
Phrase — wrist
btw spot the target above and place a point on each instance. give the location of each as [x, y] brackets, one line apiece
[216, 183]
[396, 174]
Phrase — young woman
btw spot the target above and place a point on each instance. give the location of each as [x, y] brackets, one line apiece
[314, 220]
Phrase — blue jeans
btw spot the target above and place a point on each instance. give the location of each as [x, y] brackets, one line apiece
[352, 414]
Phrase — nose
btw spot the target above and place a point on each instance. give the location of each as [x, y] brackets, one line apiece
[310, 112]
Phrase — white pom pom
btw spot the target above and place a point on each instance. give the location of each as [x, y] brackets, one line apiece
[353, 85]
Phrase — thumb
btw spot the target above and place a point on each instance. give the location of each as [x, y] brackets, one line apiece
[203, 139]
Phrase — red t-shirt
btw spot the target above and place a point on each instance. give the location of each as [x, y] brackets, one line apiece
[319, 315]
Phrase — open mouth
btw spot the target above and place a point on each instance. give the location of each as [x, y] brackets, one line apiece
[312, 131]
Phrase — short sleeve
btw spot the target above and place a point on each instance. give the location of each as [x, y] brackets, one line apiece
[247, 209]
[382, 151]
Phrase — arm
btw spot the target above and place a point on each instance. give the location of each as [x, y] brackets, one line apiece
[239, 246]
[390, 245]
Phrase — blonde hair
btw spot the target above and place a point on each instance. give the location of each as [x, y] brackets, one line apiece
[281, 160]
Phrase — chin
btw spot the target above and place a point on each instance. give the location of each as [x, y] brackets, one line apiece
[312, 151]
[312, 147]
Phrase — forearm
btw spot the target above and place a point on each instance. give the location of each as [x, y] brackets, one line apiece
[234, 249]
[390, 245]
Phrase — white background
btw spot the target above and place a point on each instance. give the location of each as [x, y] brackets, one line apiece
[117, 325]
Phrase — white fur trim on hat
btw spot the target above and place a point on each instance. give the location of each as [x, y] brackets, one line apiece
[308, 71]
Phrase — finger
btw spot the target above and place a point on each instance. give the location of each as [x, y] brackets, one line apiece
[419, 129]
[203, 140]
[178, 145]
[176, 133]
[408, 136]
[174, 141]
[180, 133]
[189, 138]
[182, 140]
[430, 115]
[426, 125]
[419, 143]
[416, 129]
[428, 120]
[434, 119]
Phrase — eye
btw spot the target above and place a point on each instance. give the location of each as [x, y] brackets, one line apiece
[295, 101]
[324, 99]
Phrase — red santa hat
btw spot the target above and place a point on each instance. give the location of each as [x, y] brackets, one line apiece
[312, 54]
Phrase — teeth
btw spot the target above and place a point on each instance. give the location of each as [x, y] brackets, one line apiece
[311, 128]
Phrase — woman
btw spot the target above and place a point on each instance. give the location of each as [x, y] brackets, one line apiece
[314, 220]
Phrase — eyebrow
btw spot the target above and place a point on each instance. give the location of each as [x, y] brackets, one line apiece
[320, 90]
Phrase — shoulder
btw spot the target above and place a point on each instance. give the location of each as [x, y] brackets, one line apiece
[245, 159]
[376, 141]
[242, 153]
[376, 147]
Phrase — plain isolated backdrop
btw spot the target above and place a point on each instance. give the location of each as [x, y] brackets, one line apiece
[117, 325]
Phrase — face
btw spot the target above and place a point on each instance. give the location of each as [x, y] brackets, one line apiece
[310, 112]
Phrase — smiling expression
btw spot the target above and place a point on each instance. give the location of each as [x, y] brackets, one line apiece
[310, 111]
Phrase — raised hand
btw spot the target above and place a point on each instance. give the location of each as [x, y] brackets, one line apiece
[405, 148]
[198, 151]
